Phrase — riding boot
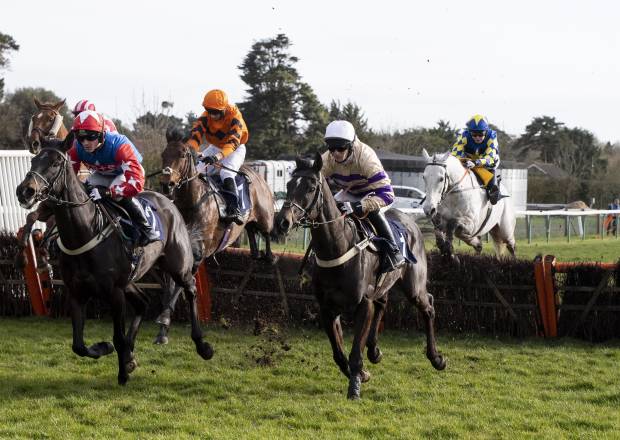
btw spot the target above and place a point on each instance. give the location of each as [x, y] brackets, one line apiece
[493, 190]
[136, 212]
[394, 259]
[232, 201]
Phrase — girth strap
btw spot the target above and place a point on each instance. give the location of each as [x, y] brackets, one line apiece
[356, 249]
[88, 246]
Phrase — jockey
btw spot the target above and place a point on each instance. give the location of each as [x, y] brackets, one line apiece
[366, 189]
[115, 165]
[223, 129]
[84, 105]
[478, 144]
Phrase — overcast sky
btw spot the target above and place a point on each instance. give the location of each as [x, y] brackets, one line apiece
[406, 63]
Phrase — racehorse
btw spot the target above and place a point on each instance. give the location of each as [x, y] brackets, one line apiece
[95, 262]
[195, 199]
[457, 205]
[45, 124]
[345, 279]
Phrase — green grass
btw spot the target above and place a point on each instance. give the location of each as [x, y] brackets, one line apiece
[590, 249]
[491, 388]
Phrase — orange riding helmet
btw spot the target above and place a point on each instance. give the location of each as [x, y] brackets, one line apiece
[216, 100]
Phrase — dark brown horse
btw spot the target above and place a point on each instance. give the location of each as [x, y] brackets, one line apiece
[180, 181]
[345, 278]
[94, 261]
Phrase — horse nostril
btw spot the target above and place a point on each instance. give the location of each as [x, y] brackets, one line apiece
[284, 224]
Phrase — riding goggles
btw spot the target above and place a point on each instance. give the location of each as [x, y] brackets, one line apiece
[338, 144]
[88, 136]
[477, 133]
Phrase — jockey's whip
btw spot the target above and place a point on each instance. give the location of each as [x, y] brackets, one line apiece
[224, 167]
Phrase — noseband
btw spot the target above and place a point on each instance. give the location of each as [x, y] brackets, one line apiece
[184, 176]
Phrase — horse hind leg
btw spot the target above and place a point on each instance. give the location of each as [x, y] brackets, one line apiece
[250, 229]
[414, 288]
[121, 344]
[139, 302]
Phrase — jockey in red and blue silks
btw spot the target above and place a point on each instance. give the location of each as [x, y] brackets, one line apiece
[115, 167]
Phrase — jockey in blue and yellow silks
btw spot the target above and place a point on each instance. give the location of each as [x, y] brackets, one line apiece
[478, 144]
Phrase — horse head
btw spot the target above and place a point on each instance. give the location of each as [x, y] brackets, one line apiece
[439, 177]
[45, 178]
[302, 194]
[46, 123]
[178, 162]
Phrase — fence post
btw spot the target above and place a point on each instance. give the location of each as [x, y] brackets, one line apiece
[539, 275]
[528, 226]
[552, 320]
[548, 226]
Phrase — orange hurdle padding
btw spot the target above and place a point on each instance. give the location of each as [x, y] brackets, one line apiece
[203, 293]
[564, 267]
[33, 282]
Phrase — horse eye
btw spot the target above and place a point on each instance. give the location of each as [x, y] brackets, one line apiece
[441, 179]
[312, 188]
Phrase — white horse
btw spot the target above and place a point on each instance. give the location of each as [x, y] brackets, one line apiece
[458, 205]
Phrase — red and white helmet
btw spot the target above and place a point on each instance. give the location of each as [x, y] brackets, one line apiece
[83, 105]
[88, 120]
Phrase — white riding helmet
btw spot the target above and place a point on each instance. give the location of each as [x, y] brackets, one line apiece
[340, 130]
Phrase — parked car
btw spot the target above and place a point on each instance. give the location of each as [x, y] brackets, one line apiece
[407, 197]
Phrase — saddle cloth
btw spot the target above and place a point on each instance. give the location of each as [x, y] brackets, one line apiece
[131, 231]
[400, 233]
[243, 194]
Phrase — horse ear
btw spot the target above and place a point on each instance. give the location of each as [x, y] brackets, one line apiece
[299, 162]
[68, 142]
[59, 104]
[174, 134]
[425, 154]
[37, 102]
[445, 156]
[318, 162]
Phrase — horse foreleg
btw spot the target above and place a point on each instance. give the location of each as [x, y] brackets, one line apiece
[268, 254]
[424, 304]
[331, 324]
[203, 348]
[363, 317]
[374, 353]
[251, 231]
[117, 301]
[95, 351]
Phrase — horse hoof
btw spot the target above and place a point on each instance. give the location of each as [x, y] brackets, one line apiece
[122, 379]
[101, 349]
[365, 376]
[131, 366]
[205, 351]
[375, 355]
[160, 340]
[355, 384]
[439, 362]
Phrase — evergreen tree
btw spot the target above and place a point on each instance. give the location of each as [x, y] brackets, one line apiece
[283, 115]
[7, 44]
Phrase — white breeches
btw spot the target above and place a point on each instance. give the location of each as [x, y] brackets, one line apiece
[233, 161]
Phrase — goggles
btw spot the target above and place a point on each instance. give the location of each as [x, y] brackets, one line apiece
[338, 144]
[214, 112]
[478, 133]
[88, 136]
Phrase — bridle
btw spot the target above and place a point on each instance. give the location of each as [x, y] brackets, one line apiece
[317, 200]
[52, 132]
[185, 175]
[45, 192]
[447, 186]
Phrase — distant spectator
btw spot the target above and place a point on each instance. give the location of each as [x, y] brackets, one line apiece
[612, 220]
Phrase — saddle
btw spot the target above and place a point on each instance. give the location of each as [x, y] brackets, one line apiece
[366, 230]
[214, 184]
[119, 216]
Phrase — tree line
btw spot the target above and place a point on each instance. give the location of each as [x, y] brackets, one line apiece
[285, 119]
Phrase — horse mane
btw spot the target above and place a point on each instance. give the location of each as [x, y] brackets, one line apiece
[174, 133]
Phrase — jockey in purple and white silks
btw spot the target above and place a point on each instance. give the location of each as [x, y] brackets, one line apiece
[365, 188]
